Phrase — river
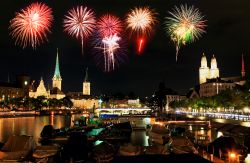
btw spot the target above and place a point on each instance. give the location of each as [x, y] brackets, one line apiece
[33, 126]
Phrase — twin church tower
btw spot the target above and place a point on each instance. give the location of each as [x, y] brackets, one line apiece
[208, 73]
[213, 72]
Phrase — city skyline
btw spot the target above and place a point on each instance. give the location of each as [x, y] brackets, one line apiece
[140, 74]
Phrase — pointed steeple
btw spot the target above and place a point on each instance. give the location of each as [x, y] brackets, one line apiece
[203, 61]
[86, 84]
[86, 75]
[213, 62]
[57, 79]
[243, 73]
[57, 74]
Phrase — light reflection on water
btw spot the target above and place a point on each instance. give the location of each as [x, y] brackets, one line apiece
[30, 125]
[246, 124]
[34, 125]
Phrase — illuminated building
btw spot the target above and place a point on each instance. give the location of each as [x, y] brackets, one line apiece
[56, 91]
[210, 82]
[19, 88]
[214, 86]
[84, 100]
[40, 91]
[208, 73]
[86, 84]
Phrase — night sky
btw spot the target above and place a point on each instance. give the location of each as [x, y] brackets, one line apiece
[228, 35]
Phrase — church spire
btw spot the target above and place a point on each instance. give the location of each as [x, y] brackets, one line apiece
[86, 84]
[57, 80]
[243, 73]
[86, 75]
[57, 74]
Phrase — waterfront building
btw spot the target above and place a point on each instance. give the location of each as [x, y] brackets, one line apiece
[123, 103]
[19, 88]
[214, 86]
[210, 81]
[173, 97]
[84, 100]
[40, 91]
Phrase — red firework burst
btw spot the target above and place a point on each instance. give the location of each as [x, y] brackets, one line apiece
[80, 23]
[31, 25]
[109, 25]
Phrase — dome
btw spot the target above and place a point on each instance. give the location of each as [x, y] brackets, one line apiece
[203, 61]
[213, 63]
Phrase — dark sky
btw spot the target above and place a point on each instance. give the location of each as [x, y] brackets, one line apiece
[228, 36]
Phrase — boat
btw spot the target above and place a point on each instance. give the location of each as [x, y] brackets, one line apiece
[181, 145]
[17, 148]
[116, 132]
[130, 150]
[158, 134]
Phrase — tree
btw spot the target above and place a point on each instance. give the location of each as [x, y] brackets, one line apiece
[67, 102]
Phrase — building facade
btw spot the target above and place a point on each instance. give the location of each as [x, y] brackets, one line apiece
[215, 86]
[40, 91]
[172, 98]
[17, 89]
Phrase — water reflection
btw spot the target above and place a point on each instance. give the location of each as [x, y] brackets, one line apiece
[30, 125]
[246, 124]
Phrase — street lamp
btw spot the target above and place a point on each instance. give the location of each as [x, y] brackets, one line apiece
[217, 87]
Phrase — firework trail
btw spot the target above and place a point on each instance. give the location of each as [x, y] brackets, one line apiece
[80, 23]
[108, 39]
[110, 46]
[141, 21]
[31, 25]
[184, 25]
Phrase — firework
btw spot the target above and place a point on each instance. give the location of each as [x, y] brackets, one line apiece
[110, 44]
[109, 28]
[140, 21]
[31, 25]
[109, 25]
[185, 25]
[80, 23]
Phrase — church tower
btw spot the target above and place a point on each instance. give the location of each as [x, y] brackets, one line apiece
[57, 80]
[86, 84]
[204, 70]
[243, 73]
[214, 71]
